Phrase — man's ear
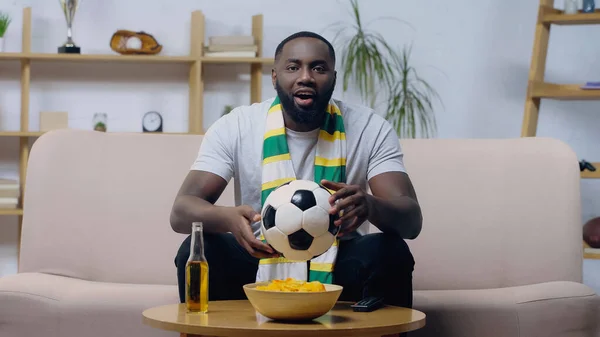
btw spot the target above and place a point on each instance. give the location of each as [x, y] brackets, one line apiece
[273, 77]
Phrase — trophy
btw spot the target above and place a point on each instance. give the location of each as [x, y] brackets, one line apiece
[69, 8]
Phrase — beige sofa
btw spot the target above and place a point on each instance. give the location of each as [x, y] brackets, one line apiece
[500, 253]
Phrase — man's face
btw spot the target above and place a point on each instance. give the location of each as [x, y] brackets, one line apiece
[304, 77]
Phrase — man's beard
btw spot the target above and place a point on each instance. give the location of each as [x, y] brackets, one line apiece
[303, 115]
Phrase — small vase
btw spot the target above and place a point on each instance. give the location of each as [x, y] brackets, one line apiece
[571, 7]
[1, 44]
[99, 121]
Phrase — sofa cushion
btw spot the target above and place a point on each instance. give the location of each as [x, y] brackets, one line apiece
[559, 309]
[37, 303]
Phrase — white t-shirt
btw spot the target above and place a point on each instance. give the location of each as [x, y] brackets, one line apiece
[232, 148]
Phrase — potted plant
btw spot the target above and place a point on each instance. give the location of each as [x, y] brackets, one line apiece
[227, 109]
[375, 68]
[4, 22]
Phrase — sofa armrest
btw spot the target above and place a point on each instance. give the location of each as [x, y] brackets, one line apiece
[546, 309]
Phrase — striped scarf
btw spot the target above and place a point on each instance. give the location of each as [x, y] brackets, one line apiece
[277, 169]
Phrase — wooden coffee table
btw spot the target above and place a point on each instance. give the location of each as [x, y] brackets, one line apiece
[238, 318]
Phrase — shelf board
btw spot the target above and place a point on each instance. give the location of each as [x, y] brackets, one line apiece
[160, 133]
[590, 253]
[563, 91]
[49, 57]
[39, 133]
[12, 211]
[97, 58]
[592, 175]
[557, 17]
[241, 60]
[21, 133]
[108, 58]
[11, 56]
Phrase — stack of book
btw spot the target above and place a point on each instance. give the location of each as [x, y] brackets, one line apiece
[591, 86]
[9, 193]
[231, 46]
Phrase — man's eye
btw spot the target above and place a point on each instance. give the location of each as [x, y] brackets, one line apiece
[292, 68]
[320, 69]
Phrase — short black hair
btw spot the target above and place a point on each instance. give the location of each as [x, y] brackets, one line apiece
[304, 34]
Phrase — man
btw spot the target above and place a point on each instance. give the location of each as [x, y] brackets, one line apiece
[304, 78]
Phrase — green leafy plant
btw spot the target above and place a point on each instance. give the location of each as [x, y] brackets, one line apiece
[227, 109]
[374, 67]
[4, 23]
[410, 99]
[100, 127]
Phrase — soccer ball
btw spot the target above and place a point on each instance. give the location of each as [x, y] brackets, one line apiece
[296, 220]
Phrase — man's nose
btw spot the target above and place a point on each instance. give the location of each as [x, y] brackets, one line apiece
[306, 76]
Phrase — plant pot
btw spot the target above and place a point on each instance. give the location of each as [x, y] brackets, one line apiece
[1, 44]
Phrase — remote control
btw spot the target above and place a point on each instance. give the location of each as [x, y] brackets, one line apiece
[368, 304]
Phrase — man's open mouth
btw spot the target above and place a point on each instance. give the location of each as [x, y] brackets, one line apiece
[304, 98]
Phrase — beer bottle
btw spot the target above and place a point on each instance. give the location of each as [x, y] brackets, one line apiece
[196, 273]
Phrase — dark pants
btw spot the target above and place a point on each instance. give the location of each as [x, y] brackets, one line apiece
[374, 264]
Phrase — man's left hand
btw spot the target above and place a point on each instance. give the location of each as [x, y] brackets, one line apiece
[352, 200]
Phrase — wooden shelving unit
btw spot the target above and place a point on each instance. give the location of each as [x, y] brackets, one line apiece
[550, 15]
[183, 60]
[20, 133]
[538, 89]
[195, 61]
[11, 212]
[563, 92]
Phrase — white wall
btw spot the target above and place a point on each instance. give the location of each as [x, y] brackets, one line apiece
[476, 54]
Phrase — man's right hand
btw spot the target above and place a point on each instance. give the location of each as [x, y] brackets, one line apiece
[195, 202]
[238, 220]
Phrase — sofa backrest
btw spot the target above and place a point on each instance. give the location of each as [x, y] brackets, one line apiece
[496, 212]
[97, 205]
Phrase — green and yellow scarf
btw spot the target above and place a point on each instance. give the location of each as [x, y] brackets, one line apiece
[277, 169]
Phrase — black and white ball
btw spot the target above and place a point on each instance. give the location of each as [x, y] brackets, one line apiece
[296, 220]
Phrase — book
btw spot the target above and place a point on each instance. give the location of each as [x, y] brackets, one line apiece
[8, 203]
[591, 86]
[9, 193]
[9, 188]
[230, 47]
[231, 40]
[8, 183]
[230, 54]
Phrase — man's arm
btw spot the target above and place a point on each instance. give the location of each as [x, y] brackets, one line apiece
[393, 205]
[195, 202]
[206, 180]
[204, 184]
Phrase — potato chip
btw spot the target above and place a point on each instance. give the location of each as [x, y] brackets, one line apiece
[293, 285]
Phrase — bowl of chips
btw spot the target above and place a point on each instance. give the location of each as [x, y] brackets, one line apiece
[291, 299]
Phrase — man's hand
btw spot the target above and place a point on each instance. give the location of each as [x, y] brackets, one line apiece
[392, 207]
[352, 200]
[238, 220]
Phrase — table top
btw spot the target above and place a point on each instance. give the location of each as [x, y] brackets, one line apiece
[238, 318]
